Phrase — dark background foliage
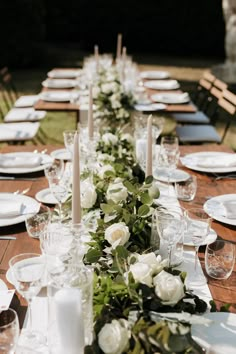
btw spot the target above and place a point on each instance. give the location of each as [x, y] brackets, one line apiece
[32, 28]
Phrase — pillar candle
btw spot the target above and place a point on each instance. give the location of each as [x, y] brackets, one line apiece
[76, 206]
[149, 147]
[119, 45]
[90, 113]
[69, 320]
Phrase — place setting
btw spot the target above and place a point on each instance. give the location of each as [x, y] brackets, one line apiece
[171, 98]
[222, 208]
[59, 83]
[154, 75]
[162, 84]
[59, 96]
[64, 73]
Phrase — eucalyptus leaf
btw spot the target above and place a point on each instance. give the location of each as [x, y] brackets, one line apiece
[149, 179]
[131, 187]
[146, 198]
[143, 210]
[93, 255]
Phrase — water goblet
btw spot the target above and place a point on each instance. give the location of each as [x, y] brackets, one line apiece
[9, 331]
[55, 168]
[171, 227]
[28, 271]
[36, 223]
[198, 227]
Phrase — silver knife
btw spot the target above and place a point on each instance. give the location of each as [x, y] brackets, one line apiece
[17, 178]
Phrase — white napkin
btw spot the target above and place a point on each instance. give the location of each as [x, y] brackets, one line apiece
[10, 208]
[210, 162]
[17, 161]
[26, 101]
[230, 209]
[24, 114]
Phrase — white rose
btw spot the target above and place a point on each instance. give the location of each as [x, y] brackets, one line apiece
[128, 137]
[117, 192]
[169, 288]
[88, 194]
[103, 170]
[153, 261]
[117, 234]
[113, 337]
[109, 139]
[105, 157]
[142, 273]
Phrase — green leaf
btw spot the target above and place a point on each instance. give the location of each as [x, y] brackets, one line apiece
[122, 252]
[92, 256]
[149, 179]
[131, 187]
[106, 208]
[143, 210]
[145, 198]
[126, 216]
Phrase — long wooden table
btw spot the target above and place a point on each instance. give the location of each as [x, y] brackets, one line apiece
[222, 291]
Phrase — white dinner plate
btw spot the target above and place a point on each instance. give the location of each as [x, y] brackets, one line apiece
[150, 107]
[63, 74]
[211, 237]
[215, 208]
[46, 159]
[221, 331]
[61, 154]
[192, 160]
[59, 83]
[45, 196]
[29, 207]
[3, 286]
[176, 176]
[58, 96]
[171, 98]
[154, 74]
[162, 84]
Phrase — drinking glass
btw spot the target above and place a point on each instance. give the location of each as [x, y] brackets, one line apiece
[55, 168]
[28, 271]
[68, 136]
[36, 223]
[9, 331]
[186, 190]
[171, 228]
[198, 227]
[220, 259]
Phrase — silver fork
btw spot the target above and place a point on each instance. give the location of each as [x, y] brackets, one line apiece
[225, 177]
[21, 192]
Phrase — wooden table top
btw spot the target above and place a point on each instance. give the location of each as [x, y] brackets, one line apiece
[222, 291]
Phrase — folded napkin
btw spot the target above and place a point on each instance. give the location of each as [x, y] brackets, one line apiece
[10, 208]
[230, 209]
[26, 101]
[209, 162]
[17, 161]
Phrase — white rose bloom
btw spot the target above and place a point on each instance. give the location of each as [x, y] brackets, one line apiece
[105, 157]
[169, 288]
[109, 139]
[153, 261]
[113, 337]
[117, 234]
[103, 169]
[142, 273]
[88, 194]
[128, 137]
[115, 101]
[117, 192]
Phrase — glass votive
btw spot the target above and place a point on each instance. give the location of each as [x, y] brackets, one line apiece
[9, 331]
[186, 190]
[220, 259]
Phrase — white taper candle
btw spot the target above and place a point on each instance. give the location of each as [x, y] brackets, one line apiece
[76, 204]
[149, 147]
[119, 45]
[90, 113]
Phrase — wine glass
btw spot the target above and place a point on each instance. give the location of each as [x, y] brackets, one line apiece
[171, 227]
[198, 227]
[168, 156]
[9, 331]
[27, 270]
[68, 136]
[55, 168]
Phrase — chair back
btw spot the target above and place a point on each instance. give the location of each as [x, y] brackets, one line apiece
[227, 109]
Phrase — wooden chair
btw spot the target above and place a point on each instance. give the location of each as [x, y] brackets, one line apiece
[201, 95]
[226, 102]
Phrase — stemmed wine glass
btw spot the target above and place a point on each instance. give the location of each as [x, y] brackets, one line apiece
[55, 168]
[69, 140]
[27, 270]
[9, 331]
[198, 227]
[170, 226]
[168, 156]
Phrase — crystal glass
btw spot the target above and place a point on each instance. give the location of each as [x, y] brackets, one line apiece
[9, 331]
[220, 259]
[35, 224]
[28, 270]
[171, 227]
[186, 190]
[55, 168]
[198, 227]
[68, 136]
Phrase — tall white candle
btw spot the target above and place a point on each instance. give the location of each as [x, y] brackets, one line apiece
[124, 53]
[90, 113]
[149, 147]
[96, 55]
[119, 45]
[76, 204]
[69, 320]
